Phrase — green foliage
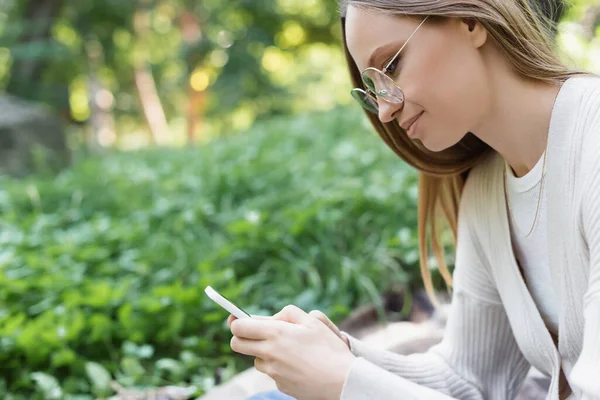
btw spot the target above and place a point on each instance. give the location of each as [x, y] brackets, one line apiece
[579, 37]
[103, 267]
[299, 38]
[254, 58]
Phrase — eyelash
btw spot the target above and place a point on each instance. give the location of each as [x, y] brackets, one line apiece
[392, 67]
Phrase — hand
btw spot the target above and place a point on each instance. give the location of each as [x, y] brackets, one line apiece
[324, 319]
[305, 357]
[315, 313]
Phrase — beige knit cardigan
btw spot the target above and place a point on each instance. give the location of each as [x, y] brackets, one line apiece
[495, 331]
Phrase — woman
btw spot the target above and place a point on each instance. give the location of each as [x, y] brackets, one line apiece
[507, 142]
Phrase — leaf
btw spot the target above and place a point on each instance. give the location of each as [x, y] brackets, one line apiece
[132, 367]
[174, 367]
[63, 357]
[99, 376]
[145, 351]
[48, 385]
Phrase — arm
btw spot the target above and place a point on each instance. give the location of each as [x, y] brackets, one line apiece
[478, 357]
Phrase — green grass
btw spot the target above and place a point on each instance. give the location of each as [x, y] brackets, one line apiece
[105, 265]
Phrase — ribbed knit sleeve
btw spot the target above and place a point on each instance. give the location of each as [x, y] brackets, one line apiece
[585, 377]
[478, 357]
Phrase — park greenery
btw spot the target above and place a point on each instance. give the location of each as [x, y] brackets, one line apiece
[179, 71]
[107, 262]
[283, 194]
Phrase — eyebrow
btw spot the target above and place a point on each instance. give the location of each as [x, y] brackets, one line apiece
[374, 55]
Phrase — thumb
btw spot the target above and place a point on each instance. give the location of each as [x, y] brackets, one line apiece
[292, 314]
[328, 323]
[324, 319]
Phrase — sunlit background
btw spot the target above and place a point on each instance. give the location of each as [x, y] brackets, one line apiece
[177, 71]
[171, 72]
[186, 143]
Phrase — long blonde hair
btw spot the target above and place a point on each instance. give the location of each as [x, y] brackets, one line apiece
[524, 32]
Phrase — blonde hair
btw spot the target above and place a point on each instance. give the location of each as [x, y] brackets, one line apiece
[525, 35]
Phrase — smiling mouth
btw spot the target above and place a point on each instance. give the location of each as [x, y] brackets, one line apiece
[407, 124]
[410, 131]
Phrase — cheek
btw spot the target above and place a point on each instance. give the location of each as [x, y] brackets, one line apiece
[454, 89]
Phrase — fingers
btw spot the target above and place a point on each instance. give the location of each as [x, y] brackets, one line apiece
[250, 334]
[257, 329]
[256, 348]
[232, 318]
[293, 314]
[260, 365]
[320, 316]
[324, 319]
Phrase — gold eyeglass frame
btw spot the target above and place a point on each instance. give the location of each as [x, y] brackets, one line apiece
[372, 92]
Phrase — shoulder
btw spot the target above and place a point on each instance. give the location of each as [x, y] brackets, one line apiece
[582, 99]
[584, 93]
[587, 87]
[574, 137]
[588, 117]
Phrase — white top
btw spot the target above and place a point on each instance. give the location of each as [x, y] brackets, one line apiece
[495, 331]
[532, 251]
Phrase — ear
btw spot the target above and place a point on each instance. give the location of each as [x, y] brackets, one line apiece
[476, 32]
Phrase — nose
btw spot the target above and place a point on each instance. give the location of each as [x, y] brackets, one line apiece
[387, 110]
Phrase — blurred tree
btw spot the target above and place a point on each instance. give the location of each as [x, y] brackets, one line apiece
[196, 51]
[219, 64]
[591, 22]
[33, 50]
[101, 99]
[144, 80]
[222, 56]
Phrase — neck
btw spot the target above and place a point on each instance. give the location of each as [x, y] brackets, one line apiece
[518, 122]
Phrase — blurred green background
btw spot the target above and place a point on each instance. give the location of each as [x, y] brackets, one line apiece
[213, 143]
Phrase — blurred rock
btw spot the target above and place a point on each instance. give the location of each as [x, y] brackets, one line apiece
[164, 393]
[364, 320]
[29, 137]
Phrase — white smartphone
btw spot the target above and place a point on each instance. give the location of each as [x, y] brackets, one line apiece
[226, 304]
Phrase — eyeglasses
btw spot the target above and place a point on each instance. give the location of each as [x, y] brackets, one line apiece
[380, 85]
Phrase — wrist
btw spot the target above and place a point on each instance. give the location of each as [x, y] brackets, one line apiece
[344, 370]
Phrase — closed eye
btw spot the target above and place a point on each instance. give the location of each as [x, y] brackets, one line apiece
[391, 69]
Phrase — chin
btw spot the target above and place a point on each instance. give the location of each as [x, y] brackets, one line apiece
[434, 144]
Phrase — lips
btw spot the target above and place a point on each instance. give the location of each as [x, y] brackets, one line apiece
[412, 129]
[408, 123]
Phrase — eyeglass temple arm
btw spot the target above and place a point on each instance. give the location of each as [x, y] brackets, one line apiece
[405, 43]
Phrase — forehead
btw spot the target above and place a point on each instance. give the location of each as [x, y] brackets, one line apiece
[367, 30]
